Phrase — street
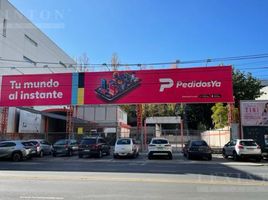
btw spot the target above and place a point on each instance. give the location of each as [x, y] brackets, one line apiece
[106, 178]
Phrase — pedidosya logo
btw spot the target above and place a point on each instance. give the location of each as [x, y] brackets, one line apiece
[166, 83]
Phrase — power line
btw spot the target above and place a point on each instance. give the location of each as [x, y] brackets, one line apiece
[209, 60]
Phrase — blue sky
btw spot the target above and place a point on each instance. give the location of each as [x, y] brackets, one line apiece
[149, 31]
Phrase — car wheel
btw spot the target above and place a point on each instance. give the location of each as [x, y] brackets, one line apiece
[170, 157]
[115, 156]
[100, 154]
[224, 154]
[189, 157]
[209, 157]
[41, 154]
[108, 152]
[54, 154]
[258, 159]
[235, 156]
[150, 156]
[16, 156]
[80, 155]
[70, 153]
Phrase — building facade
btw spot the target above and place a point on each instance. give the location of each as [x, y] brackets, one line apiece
[25, 49]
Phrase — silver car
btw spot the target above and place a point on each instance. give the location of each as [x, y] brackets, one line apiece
[17, 150]
[42, 147]
[242, 148]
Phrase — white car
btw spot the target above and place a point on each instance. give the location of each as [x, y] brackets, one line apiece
[242, 148]
[159, 147]
[126, 147]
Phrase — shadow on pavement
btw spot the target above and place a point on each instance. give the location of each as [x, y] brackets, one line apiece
[179, 166]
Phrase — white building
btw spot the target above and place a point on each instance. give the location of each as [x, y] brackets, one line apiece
[265, 90]
[24, 49]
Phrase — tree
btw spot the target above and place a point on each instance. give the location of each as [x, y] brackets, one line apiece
[220, 115]
[83, 62]
[115, 62]
[245, 87]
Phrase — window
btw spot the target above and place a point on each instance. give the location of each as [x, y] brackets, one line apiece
[7, 144]
[88, 141]
[199, 143]
[123, 141]
[29, 60]
[31, 40]
[159, 141]
[4, 27]
[101, 141]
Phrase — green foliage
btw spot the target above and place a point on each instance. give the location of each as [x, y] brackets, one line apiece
[220, 115]
[245, 87]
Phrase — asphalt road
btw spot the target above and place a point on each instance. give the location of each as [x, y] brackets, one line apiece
[106, 178]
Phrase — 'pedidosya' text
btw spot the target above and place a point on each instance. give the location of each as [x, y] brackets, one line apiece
[169, 83]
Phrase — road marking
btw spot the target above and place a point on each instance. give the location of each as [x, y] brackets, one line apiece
[47, 198]
[242, 164]
[114, 178]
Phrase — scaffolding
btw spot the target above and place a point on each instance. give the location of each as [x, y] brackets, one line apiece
[69, 121]
[4, 121]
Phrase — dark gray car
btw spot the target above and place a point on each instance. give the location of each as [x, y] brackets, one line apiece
[65, 147]
[93, 146]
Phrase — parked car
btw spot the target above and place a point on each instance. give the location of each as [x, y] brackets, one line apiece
[126, 147]
[42, 147]
[197, 148]
[30, 149]
[64, 147]
[93, 146]
[16, 150]
[159, 147]
[242, 148]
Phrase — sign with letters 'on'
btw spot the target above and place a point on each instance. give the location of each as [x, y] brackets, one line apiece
[186, 85]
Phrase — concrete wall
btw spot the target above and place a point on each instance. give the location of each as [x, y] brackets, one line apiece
[105, 114]
[217, 138]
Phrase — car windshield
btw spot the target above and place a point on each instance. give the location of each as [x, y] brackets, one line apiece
[123, 142]
[199, 143]
[61, 142]
[33, 142]
[248, 143]
[159, 141]
[27, 143]
[89, 141]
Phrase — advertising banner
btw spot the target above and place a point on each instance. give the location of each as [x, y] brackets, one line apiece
[254, 113]
[188, 85]
[33, 90]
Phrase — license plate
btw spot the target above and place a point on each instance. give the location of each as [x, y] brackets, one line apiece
[87, 150]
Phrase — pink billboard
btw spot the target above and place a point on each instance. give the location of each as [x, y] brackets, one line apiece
[188, 85]
[254, 113]
[36, 90]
